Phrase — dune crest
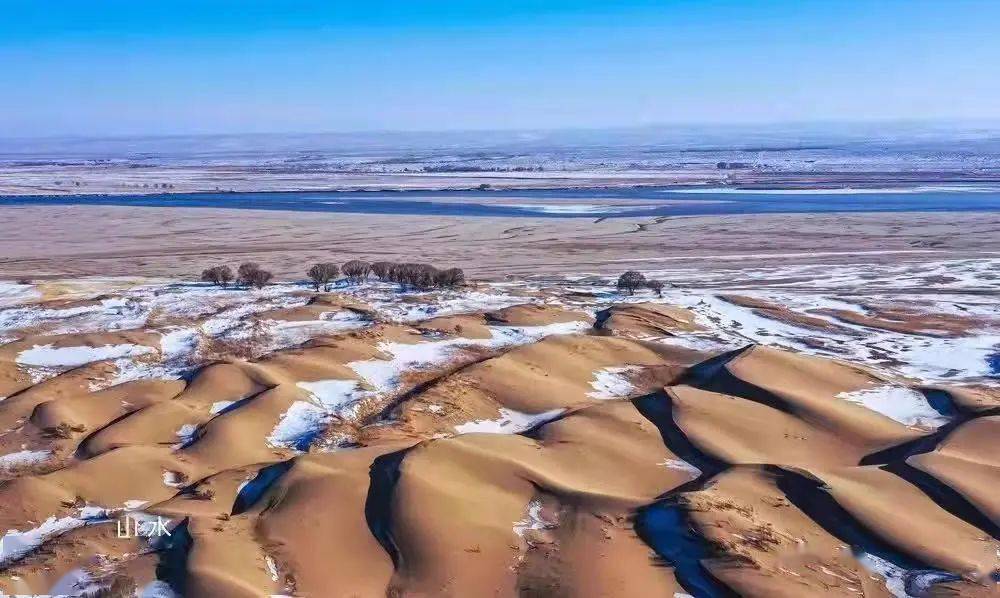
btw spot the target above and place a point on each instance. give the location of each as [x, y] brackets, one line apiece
[503, 440]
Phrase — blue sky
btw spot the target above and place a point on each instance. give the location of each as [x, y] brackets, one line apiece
[138, 67]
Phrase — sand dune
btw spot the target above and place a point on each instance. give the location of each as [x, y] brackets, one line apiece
[555, 439]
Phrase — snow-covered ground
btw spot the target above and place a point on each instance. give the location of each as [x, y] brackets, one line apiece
[612, 383]
[181, 319]
[68, 357]
[25, 458]
[189, 317]
[899, 403]
[509, 422]
[384, 375]
[963, 288]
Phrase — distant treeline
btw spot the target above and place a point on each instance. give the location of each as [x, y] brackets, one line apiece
[460, 168]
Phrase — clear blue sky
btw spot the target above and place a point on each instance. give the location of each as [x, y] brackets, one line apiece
[183, 66]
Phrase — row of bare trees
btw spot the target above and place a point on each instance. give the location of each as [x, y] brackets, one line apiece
[249, 274]
[420, 276]
[633, 280]
[407, 274]
[413, 275]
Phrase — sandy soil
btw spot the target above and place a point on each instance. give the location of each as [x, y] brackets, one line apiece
[82, 240]
[506, 439]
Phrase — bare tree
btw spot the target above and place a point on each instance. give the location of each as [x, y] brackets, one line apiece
[250, 274]
[421, 276]
[259, 278]
[208, 275]
[657, 286]
[424, 276]
[356, 270]
[218, 275]
[630, 281]
[225, 276]
[452, 277]
[382, 270]
[322, 274]
[245, 273]
[405, 273]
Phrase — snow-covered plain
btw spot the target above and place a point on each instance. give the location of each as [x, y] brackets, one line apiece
[189, 316]
[966, 288]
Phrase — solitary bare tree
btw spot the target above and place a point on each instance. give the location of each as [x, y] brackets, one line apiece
[245, 272]
[322, 274]
[630, 281]
[208, 275]
[657, 286]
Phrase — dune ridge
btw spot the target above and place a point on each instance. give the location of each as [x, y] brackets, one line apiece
[507, 440]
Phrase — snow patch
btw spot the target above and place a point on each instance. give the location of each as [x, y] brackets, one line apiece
[49, 356]
[533, 519]
[900, 582]
[186, 435]
[612, 383]
[334, 395]
[384, 375]
[298, 426]
[509, 422]
[178, 342]
[901, 404]
[680, 465]
[173, 479]
[15, 544]
[219, 406]
[74, 583]
[12, 293]
[158, 589]
[271, 568]
[23, 459]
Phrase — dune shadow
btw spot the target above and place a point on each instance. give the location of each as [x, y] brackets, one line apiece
[384, 474]
[172, 553]
[254, 489]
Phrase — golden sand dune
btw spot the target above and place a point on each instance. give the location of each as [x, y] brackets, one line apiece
[485, 442]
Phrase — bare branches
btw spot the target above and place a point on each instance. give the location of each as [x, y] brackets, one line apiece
[218, 275]
[322, 274]
[250, 274]
[408, 275]
[632, 280]
[356, 270]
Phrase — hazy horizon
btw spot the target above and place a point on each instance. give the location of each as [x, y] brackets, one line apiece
[942, 125]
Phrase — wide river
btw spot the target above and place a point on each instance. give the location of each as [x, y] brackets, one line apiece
[557, 203]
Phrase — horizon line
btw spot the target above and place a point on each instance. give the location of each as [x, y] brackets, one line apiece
[913, 121]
